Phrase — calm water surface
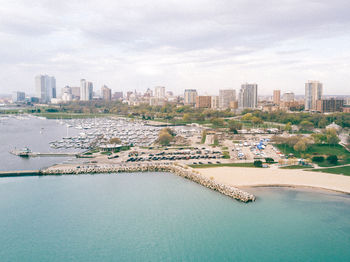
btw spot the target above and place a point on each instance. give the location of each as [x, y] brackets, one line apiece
[30, 132]
[162, 217]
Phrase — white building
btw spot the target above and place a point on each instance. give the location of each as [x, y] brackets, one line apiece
[159, 92]
[45, 88]
[226, 97]
[86, 90]
[190, 97]
[248, 96]
[215, 102]
[313, 92]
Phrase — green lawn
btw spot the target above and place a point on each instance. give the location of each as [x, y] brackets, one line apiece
[319, 149]
[223, 164]
[70, 115]
[345, 170]
[295, 167]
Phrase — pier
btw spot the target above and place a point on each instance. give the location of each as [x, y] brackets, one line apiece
[20, 173]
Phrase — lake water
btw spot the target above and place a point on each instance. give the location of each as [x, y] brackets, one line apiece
[33, 133]
[162, 217]
[154, 216]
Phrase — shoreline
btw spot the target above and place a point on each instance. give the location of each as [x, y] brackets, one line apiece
[248, 177]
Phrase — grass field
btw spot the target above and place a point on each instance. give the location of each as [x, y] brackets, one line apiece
[345, 170]
[223, 164]
[70, 115]
[319, 149]
[295, 167]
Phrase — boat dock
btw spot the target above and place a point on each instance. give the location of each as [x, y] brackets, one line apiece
[37, 154]
[20, 173]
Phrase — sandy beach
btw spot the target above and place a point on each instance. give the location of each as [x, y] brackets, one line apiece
[236, 176]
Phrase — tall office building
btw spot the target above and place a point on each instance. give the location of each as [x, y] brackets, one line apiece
[106, 93]
[248, 96]
[215, 102]
[277, 97]
[86, 90]
[190, 97]
[75, 92]
[226, 97]
[18, 97]
[45, 87]
[313, 92]
[159, 92]
[118, 95]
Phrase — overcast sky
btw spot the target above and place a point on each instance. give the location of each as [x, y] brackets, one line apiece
[203, 44]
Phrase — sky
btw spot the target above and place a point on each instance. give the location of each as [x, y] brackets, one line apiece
[203, 44]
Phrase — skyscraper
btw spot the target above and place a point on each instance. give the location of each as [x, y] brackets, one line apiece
[159, 92]
[313, 92]
[45, 88]
[288, 96]
[190, 97]
[106, 93]
[248, 96]
[18, 97]
[86, 90]
[226, 97]
[276, 97]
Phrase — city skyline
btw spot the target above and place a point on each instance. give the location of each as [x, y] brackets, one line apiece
[132, 45]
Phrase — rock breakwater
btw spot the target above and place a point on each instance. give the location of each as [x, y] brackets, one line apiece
[180, 170]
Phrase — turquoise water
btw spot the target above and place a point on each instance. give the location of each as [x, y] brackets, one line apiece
[162, 217]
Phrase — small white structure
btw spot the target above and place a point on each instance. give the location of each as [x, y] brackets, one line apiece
[334, 126]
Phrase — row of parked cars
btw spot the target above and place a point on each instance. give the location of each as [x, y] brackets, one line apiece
[152, 157]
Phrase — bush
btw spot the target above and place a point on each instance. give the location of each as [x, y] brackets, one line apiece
[258, 163]
[332, 159]
[318, 159]
[269, 160]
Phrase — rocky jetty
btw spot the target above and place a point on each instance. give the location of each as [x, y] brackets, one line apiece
[180, 170]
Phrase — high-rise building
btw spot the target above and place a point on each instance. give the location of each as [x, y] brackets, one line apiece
[75, 92]
[190, 97]
[106, 93]
[225, 97]
[148, 93]
[276, 97]
[248, 96]
[203, 101]
[215, 102]
[313, 92]
[18, 97]
[288, 96]
[329, 105]
[86, 90]
[45, 87]
[159, 92]
[66, 94]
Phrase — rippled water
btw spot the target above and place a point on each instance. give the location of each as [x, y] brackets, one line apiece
[162, 217]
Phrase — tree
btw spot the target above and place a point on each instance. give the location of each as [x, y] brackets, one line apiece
[300, 146]
[256, 120]
[319, 138]
[306, 125]
[217, 122]
[247, 117]
[332, 159]
[332, 136]
[164, 138]
[288, 127]
[258, 163]
[234, 126]
[318, 159]
[186, 117]
[269, 160]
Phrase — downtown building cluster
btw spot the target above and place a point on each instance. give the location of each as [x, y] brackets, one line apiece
[226, 99]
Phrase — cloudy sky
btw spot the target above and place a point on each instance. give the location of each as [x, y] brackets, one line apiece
[202, 44]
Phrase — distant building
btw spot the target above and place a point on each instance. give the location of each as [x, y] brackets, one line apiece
[203, 101]
[106, 93]
[215, 102]
[329, 105]
[276, 97]
[66, 94]
[226, 97]
[118, 95]
[75, 92]
[288, 96]
[169, 94]
[18, 97]
[154, 101]
[148, 93]
[128, 95]
[45, 88]
[248, 96]
[190, 97]
[86, 90]
[234, 104]
[159, 92]
[313, 92]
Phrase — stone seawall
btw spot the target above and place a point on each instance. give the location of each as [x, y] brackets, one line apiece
[180, 170]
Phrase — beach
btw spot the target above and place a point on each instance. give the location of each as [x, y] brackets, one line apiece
[241, 177]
